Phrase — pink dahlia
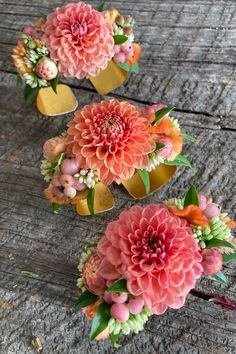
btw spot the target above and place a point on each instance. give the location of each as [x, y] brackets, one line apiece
[156, 252]
[79, 39]
[111, 137]
[212, 261]
[93, 281]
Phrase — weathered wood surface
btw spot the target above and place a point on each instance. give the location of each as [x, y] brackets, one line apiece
[189, 60]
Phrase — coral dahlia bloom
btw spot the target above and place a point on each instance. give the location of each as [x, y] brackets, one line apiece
[212, 261]
[156, 252]
[111, 137]
[93, 281]
[79, 39]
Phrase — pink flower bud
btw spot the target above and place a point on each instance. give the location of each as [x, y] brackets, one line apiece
[211, 210]
[135, 306]
[120, 312]
[29, 30]
[119, 298]
[46, 69]
[119, 58]
[211, 261]
[202, 201]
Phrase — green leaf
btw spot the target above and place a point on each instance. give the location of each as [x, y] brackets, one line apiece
[56, 207]
[90, 200]
[229, 257]
[59, 161]
[54, 83]
[188, 137]
[144, 175]
[191, 197]
[101, 7]
[159, 146]
[162, 113]
[179, 161]
[30, 93]
[120, 38]
[134, 68]
[220, 278]
[100, 320]
[18, 81]
[30, 274]
[120, 286]
[114, 338]
[215, 242]
[124, 66]
[85, 299]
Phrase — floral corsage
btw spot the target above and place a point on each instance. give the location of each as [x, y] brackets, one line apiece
[149, 260]
[75, 41]
[112, 141]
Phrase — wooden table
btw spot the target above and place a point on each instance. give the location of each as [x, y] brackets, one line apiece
[188, 60]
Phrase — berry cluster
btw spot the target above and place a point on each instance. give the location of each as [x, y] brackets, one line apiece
[123, 52]
[123, 305]
[64, 181]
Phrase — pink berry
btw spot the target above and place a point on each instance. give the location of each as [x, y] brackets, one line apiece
[127, 47]
[135, 306]
[120, 312]
[70, 192]
[28, 30]
[56, 181]
[57, 192]
[66, 180]
[119, 58]
[77, 185]
[69, 166]
[107, 298]
[202, 201]
[117, 48]
[128, 31]
[119, 298]
[211, 210]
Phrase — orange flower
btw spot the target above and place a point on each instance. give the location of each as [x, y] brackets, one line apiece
[52, 198]
[18, 55]
[63, 200]
[137, 54]
[111, 15]
[192, 213]
[164, 127]
[40, 22]
[230, 223]
[89, 311]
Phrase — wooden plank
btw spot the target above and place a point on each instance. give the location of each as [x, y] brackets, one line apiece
[189, 60]
[188, 53]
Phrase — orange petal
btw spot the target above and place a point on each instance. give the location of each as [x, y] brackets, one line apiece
[137, 54]
[192, 213]
[230, 223]
[89, 311]
[163, 127]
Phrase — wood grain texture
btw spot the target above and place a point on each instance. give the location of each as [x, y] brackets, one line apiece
[188, 59]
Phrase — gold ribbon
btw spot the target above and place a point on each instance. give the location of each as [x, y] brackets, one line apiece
[158, 177]
[109, 79]
[103, 201]
[50, 103]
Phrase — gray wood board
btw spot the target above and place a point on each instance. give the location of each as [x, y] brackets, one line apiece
[188, 59]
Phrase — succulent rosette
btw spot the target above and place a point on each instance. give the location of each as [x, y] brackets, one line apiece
[149, 260]
[76, 41]
[109, 141]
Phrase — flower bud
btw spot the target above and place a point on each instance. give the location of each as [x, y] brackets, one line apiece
[46, 69]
